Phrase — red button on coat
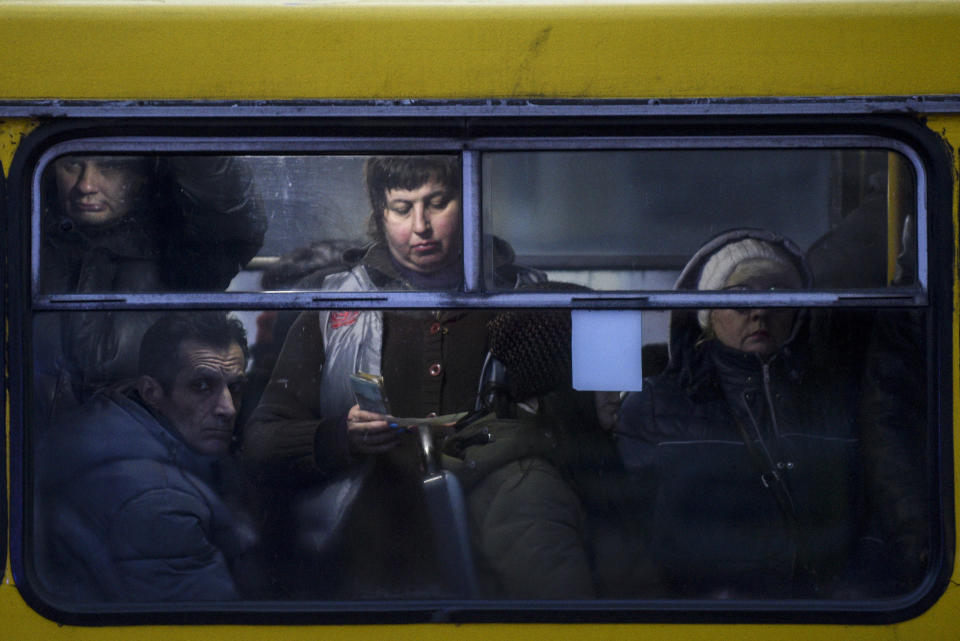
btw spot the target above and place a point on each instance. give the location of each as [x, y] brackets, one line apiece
[435, 369]
[435, 328]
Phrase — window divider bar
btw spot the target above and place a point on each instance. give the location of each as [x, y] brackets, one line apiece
[448, 300]
[472, 227]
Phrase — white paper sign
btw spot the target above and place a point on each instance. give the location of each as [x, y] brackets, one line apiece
[607, 350]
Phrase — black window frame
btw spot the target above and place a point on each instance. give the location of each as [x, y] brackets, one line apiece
[469, 129]
[4, 257]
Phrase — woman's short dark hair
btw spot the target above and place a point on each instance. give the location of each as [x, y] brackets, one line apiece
[383, 173]
[165, 336]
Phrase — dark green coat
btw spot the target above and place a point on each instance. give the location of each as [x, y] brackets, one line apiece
[526, 520]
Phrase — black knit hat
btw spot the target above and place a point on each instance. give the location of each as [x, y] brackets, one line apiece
[534, 346]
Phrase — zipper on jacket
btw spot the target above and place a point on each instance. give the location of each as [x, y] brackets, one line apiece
[763, 444]
[770, 407]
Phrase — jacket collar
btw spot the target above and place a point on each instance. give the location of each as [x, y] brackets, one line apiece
[180, 453]
[133, 236]
[711, 363]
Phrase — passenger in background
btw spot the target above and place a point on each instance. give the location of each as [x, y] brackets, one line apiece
[893, 395]
[532, 464]
[744, 454]
[137, 493]
[132, 224]
[302, 268]
[308, 427]
[894, 428]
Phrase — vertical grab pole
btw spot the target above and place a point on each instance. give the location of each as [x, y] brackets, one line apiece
[898, 186]
[447, 507]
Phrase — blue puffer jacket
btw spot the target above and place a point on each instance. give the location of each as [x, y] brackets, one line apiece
[712, 526]
[126, 511]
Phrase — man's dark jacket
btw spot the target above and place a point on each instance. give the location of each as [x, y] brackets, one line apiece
[127, 511]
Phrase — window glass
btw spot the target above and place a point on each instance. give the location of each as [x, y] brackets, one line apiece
[438, 441]
[125, 223]
[622, 220]
[140, 496]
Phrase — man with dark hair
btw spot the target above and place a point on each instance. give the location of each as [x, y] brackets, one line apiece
[308, 427]
[198, 391]
[134, 491]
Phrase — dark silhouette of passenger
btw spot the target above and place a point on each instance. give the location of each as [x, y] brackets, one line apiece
[531, 463]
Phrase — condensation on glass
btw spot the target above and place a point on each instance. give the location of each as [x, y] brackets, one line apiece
[128, 223]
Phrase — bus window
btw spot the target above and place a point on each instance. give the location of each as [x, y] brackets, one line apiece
[302, 376]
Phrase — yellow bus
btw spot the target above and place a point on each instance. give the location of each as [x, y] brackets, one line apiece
[679, 278]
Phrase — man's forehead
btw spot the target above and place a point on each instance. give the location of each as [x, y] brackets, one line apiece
[195, 354]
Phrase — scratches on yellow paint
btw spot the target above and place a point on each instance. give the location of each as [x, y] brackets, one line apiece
[12, 132]
[539, 41]
[534, 50]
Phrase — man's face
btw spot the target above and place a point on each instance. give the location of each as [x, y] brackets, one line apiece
[202, 404]
[94, 190]
[422, 226]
